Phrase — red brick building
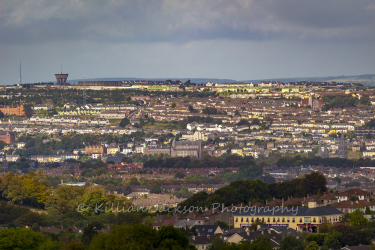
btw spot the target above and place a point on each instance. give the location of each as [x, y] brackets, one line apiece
[7, 137]
[95, 149]
[12, 110]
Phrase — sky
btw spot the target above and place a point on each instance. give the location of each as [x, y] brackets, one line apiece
[233, 39]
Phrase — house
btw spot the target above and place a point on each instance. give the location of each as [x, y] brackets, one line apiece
[208, 230]
[12, 158]
[127, 150]
[350, 206]
[112, 150]
[201, 242]
[46, 106]
[7, 137]
[356, 192]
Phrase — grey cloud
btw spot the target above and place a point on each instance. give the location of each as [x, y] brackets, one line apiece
[184, 21]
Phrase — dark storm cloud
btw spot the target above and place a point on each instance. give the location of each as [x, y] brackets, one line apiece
[39, 21]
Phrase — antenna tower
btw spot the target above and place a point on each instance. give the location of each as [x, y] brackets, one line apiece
[84, 92]
[20, 73]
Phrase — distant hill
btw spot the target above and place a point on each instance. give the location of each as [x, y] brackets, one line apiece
[194, 80]
[368, 79]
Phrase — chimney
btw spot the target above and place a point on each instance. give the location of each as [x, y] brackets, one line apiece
[282, 202]
[269, 231]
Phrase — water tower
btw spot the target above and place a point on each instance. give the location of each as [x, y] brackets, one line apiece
[61, 78]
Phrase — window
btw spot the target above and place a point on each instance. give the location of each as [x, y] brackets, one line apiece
[283, 219]
[293, 220]
[236, 219]
[300, 220]
[314, 220]
[241, 219]
[288, 220]
[278, 219]
[252, 219]
[268, 220]
[274, 220]
[247, 219]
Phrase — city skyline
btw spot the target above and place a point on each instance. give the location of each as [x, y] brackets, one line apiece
[239, 40]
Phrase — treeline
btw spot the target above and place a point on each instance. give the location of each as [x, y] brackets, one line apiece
[59, 97]
[206, 161]
[342, 101]
[287, 161]
[243, 192]
[33, 190]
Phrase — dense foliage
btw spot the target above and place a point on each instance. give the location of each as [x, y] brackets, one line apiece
[243, 192]
[287, 161]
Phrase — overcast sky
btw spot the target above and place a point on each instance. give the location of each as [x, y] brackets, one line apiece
[236, 39]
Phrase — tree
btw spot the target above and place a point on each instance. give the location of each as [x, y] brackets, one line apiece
[357, 220]
[262, 242]
[179, 175]
[243, 122]
[191, 109]
[173, 105]
[28, 110]
[63, 198]
[217, 244]
[1, 114]
[313, 246]
[291, 242]
[25, 238]
[254, 225]
[31, 218]
[314, 183]
[135, 236]
[332, 240]
[237, 113]
[124, 122]
[349, 235]
[155, 189]
[337, 179]
[89, 233]
[255, 121]
[172, 238]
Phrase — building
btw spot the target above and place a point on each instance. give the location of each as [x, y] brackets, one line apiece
[46, 106]
[17, 110]
[343, 149]
[323, 151]
[298, 218]
[361, 131]
[355, 192]
[7, 137]
[316, 104]
[186, 148]
[98, 149]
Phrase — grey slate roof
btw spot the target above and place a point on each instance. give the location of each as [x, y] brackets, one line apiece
[287, 211]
